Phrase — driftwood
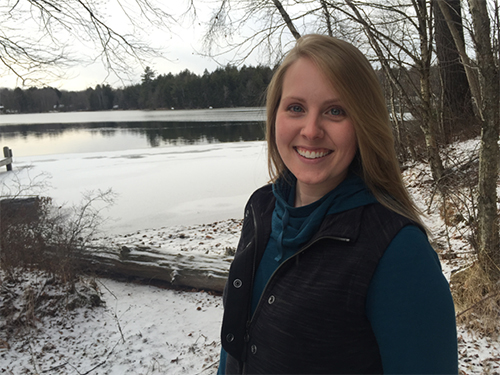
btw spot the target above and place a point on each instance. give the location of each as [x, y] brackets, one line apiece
[7, 152]
[200, 271]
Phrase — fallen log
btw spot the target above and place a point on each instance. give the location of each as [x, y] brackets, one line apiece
[200, 271]
[196, 256]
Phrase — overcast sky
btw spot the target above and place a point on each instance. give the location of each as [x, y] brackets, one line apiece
[180, 52]
[181, 47]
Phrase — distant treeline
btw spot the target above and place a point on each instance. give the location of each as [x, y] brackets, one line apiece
[223, 88]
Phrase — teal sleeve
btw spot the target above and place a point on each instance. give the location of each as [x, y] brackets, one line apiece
[411, 310]
[222, 362]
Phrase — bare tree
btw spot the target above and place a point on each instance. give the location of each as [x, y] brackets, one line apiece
[37, 38]
[456, 100]
[488, 154]
[268, 27]
[485, 90]
[397, 33]
[402, 36]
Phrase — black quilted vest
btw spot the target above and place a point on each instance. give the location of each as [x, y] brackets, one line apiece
[311, 317]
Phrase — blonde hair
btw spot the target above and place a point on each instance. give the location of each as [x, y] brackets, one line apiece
[357, 84]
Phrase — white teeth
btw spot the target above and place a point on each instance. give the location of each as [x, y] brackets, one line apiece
[312, 154]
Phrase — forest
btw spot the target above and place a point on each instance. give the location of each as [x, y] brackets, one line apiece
[225, 87]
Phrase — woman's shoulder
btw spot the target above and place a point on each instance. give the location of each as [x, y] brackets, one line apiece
[262, 195]
[266, 189]
[377, 218]
[261, 200]
[412, 248]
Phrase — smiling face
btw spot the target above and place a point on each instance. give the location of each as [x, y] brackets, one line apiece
[314, 135]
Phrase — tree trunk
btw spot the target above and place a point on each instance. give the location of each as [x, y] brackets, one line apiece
[457, 103]
[489, 254]
[466, 61]
[429, 122]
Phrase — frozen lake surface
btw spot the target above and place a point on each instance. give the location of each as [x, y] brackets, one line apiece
[155, 187]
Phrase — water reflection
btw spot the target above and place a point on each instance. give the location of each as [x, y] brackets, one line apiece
[192, 133]
[39, 139]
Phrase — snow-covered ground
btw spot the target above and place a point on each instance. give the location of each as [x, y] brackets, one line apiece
[141, 330]
[145, 329]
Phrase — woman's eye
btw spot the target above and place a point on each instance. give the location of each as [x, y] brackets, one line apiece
[337, 112]
[295, 108]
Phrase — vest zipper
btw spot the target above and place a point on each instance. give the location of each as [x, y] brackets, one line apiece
[296, 255]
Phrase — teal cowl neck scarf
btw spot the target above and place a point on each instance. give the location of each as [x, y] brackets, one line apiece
[293, 226]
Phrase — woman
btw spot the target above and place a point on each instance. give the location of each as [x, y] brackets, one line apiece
[333, 272]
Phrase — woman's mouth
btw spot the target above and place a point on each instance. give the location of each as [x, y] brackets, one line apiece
[312, 154]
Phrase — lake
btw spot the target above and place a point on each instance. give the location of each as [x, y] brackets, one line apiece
[167, 168]
[76, 132]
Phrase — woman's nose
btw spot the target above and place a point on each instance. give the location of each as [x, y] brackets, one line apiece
[311, 128]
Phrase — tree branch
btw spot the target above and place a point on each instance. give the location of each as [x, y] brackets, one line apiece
[287, 19]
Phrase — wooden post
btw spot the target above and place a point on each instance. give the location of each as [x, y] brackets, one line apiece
[7, 152]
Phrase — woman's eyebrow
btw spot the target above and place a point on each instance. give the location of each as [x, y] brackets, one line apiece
[302, 99]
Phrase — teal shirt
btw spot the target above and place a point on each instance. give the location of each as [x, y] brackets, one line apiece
[409, 304]
[410, 308]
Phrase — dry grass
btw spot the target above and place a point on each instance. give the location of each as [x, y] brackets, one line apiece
[36, 234]
[33, 236]
[27, 297]
[47, 241]
[477, 300]
[476, 294]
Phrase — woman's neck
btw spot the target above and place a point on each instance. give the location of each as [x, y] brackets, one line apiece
[304, 196]
[309, 193]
